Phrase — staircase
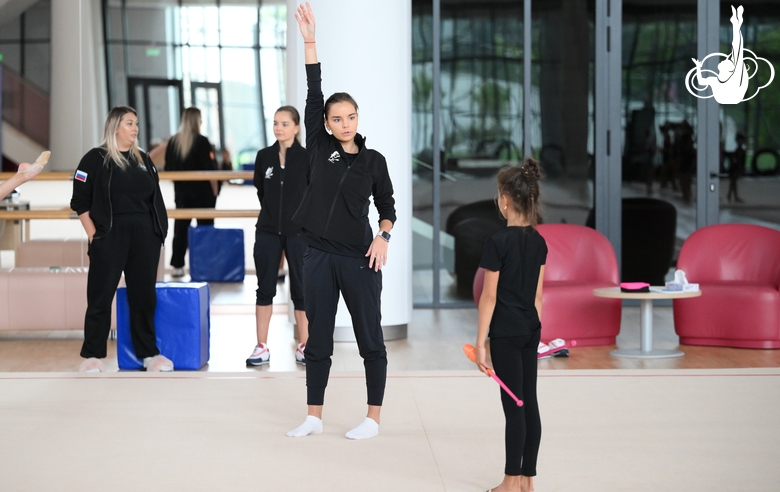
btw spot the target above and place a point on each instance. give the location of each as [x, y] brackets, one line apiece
[25, 109]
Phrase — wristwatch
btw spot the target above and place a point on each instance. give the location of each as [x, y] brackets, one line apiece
[384, 235]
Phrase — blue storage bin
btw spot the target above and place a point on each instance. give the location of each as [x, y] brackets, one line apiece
[181, 324]
[216, 254]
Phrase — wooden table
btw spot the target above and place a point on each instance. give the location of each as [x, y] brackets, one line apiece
[645, 350]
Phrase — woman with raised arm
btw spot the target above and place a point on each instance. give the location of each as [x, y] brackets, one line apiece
[343, 254]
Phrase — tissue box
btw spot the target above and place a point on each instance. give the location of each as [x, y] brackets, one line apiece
[181, 323]
[677, 287]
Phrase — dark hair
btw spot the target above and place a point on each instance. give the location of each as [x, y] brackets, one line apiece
[521, 186]
[296, 117]
[337, 98]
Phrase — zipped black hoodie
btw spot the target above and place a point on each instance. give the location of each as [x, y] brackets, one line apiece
[335, 205]
[92, 192]
[280, 191]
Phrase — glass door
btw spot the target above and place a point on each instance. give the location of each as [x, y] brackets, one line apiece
[207, 96]
[159, 103]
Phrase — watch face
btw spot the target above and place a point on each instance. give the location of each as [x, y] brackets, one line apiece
[386, 236]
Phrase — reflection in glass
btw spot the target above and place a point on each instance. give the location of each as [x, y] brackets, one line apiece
[750, 130]
[204, 41]
[659, 136]
[481, 130]
[562, 107]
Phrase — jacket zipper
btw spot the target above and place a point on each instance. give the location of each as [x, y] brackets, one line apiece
[335, 199]
[281, 196]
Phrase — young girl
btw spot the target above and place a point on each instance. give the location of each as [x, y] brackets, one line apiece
[344, 255]
[510, 310]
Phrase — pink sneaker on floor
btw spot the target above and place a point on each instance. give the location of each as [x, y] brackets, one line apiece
[300, 358]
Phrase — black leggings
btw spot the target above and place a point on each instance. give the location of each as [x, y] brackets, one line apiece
[515, 362]
[181, 226]
[131, 246]
[324, 276]
[268, 253]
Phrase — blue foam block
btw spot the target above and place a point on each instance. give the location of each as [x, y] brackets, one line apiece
[181, 325]
[216, 254]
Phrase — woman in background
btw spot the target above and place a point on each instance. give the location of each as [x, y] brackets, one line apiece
[280, 178]
[188, 150]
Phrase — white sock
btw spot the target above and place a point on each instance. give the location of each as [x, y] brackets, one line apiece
[366, 430]
[312, 425]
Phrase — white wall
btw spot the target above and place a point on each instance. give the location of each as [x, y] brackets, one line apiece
[78, 93]
[365, 49]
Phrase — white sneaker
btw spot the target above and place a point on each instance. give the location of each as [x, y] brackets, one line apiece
[558, 342]
[177, 272]
[300, 358]
[260, 356]
[92, 365]
[543, 348]
[158, 363]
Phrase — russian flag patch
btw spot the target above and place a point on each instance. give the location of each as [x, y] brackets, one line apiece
[81, 176]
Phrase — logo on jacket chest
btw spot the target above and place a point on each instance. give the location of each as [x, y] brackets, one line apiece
[334, 157]
[269, 173]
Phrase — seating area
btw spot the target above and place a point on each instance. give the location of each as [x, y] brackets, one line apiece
[737, 267]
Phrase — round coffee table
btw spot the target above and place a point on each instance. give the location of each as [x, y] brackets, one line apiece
[645, 350]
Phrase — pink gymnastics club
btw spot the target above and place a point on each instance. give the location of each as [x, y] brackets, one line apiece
[471, 352]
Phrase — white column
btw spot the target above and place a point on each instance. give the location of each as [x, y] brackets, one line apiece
[365, 48]
[78, 95]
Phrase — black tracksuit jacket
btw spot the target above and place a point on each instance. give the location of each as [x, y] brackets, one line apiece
[335, 205]
[280, 191]
[93, 195]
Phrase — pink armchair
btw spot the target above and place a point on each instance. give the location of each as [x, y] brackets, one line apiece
[579, 259]
[737, 267]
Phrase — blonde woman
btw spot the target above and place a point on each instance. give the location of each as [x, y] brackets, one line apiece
[116, 194]
[188, 150]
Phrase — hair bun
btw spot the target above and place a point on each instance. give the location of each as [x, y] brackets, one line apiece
[531, 169]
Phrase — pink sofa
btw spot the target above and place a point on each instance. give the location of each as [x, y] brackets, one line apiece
[579, 259]
[737, 267]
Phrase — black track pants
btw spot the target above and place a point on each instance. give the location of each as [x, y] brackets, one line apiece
[131, 246]
[268, 254]
[514, 360]
[325, 274]
[180, 227]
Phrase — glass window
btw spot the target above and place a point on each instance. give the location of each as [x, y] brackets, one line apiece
[147, 24]
[659, 136]
[200, 26]
[37, 21]
[11, 31]
[37, 64]
[750, 130]
[238, 26]
[145, 61]
[12, 57]
[481, 131]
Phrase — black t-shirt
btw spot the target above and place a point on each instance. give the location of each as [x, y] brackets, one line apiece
[334, 246]
[132, 189]
[517, 253]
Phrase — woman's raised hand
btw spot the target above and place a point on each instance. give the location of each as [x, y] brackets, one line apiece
[305, 18]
